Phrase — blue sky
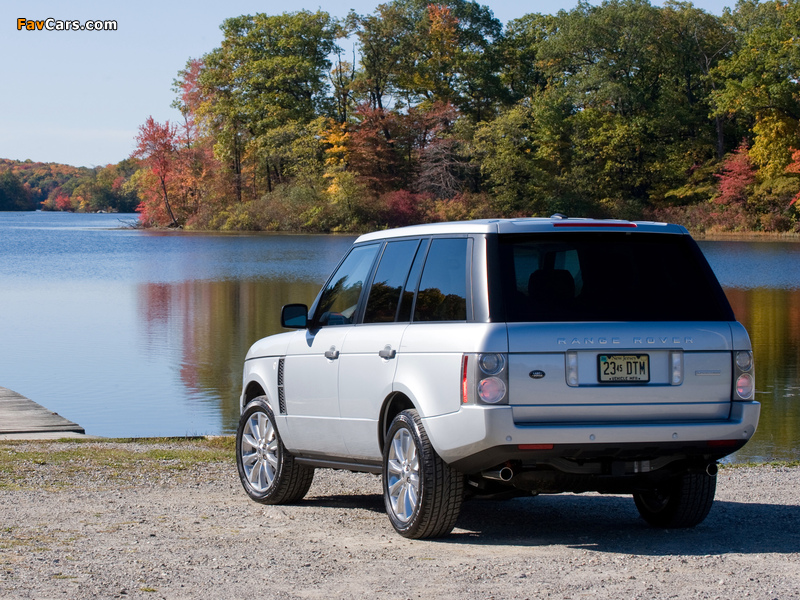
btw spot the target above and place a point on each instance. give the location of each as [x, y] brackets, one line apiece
[78, 97]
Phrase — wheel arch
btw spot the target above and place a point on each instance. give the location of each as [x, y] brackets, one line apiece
[392, 406]
[253, 390]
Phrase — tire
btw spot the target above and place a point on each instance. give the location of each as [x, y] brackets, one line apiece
[269, 474]
[681, 503]
[423, 495]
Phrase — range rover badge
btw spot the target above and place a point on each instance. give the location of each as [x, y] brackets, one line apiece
[536, 374]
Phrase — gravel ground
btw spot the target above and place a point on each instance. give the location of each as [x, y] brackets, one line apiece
[75, 528]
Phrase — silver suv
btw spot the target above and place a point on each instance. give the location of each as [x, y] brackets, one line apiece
[505, 357]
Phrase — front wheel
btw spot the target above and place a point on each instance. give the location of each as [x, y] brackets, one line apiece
[268, 472]
[683, 502]
[422, 493]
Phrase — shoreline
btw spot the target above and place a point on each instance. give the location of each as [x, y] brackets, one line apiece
[789, 236]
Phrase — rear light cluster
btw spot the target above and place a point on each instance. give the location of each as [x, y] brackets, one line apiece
[484, 378]
[744, 381]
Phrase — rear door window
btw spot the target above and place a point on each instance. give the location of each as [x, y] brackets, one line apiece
[442, 294]
[389, 281]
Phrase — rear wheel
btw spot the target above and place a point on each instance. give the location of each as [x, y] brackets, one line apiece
[680, 503]
[422, 493]
[268, 472]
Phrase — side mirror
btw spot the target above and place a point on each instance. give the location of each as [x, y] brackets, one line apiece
[294, 316]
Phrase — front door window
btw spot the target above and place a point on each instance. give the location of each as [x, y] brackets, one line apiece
[339, 300]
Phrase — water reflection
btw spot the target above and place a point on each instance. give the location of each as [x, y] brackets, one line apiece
[772, 316]
[206, 327]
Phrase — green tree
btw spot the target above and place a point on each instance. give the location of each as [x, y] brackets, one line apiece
[423, 52]
[521, 72]
[269, 70]
[14, 195]
[508, 153]
[381, 46]
[761, 80]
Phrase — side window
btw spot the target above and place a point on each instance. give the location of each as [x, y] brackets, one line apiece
[384, 295]
[442, 292]
[407, 302]
[339, 300]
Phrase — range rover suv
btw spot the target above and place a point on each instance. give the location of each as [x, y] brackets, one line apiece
[505, 357]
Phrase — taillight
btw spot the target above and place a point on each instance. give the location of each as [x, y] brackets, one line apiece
[491, 390]
[464, 379]
[743, 380]
[484, 378]
[744, 386]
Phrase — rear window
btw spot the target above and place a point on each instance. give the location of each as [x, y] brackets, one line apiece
[607, 277]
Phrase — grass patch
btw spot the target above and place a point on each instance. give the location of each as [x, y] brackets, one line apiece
[67, 462]
[776, 464]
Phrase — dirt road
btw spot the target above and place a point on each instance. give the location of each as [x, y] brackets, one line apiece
[72, 526]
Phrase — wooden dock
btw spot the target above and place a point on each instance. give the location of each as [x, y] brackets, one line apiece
[22, 418]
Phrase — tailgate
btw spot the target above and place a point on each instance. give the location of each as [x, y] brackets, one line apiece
[620, 372]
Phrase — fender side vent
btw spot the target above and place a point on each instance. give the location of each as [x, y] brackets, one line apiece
[281, 393]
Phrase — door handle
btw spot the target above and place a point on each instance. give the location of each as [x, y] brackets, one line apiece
[387, 352]
[332, 354]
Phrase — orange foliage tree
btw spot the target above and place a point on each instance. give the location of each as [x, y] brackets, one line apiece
[156, 145]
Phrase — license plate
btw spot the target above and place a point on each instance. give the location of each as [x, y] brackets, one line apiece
[623, 368]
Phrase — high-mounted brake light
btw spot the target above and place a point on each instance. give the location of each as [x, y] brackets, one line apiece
[595, 224]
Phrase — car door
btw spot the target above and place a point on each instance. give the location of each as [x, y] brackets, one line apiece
[369, 355]
[311, 369]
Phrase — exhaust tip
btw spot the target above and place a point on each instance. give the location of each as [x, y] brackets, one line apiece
[712, 470]
[504, 474]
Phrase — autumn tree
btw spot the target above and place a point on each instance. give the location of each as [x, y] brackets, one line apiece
[156, 146]
[198, 178]
[443, 170]
[376, 148]
[736, 179]
[794, 169]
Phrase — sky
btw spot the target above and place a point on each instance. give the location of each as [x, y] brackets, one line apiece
[79, 97]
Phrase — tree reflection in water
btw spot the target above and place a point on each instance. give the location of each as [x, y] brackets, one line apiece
[211, 324]
[772, 317]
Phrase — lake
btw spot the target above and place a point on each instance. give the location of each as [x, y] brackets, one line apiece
[135, 333]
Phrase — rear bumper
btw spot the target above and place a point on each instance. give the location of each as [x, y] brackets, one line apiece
[480, 437]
